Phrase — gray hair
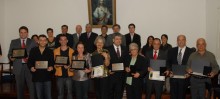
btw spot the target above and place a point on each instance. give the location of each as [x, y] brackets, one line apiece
[88, 25]
[99, 38]
[133, 45]
[117, 34]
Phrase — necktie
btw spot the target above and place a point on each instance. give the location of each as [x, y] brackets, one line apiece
[179, 57]
[88, 35]
[155, 55]
[118, 53]
[23, 46]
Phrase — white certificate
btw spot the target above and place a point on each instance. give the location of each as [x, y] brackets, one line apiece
[117, 66]
[98, 71]
[129, 80]
[155, 75]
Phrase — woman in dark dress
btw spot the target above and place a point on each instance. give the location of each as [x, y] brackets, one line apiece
[148, 46]
[165, 46]
[50, 38]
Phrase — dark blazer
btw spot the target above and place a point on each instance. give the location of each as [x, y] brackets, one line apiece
[146, 48]
[89, 42]
[172, 56]
[136, 39]
[161, 56]
[113, 55]
[16, 43]
[140, 64]
[69, 37]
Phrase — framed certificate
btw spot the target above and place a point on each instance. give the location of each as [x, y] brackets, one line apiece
[41, 64]
[156, 64]
[61, 60]
[78, 64]
[198, 67]
[19, 53]
[98, 71]
[155, 75]
[117, 67]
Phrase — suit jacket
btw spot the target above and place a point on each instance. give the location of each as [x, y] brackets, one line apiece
[172, 56]
[16, 43]
[109, 40]
[115, 59]
[150, 54]
[89, 42]
[136, 39]
[75, 40]
[140, 64]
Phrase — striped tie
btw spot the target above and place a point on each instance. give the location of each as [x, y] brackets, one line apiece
[179, 57]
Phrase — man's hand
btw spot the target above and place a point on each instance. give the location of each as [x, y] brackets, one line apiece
[211, 75]
[12, 59]
[149, 69]
[136, 75]
[171, 74]
[87, 70]
[50, 68]
[33, 69]
[189, 71]
[167, 73]
[127, 69]
[66, 67]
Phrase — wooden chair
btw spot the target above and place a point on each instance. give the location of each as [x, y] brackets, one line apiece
[6, 71]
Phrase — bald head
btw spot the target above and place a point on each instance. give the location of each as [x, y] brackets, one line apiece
[201, 44]
[181, 41]
[78, 29]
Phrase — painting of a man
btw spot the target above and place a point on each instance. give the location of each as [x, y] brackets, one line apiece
[101, 12]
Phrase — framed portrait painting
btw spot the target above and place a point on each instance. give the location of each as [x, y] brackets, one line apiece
[102, 12]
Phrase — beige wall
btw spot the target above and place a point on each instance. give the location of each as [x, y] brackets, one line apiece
[152, 17]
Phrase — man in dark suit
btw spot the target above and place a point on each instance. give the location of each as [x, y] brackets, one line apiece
[116, 29]
[155, 54]
[88, 39]
[132, 37]
[20, 68]
[178, 86]
[64, 29]
[77, 35]
[118, 54]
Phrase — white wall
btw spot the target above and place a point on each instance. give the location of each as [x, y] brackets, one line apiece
[213, 26]
[2, 25]
[152, 17]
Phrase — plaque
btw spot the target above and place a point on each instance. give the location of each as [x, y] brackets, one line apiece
[156, 64]
[61, 60]
[179, 71]
[78, 64]
[117, 67]
[41, 64]
[19, 53]
[198, 67]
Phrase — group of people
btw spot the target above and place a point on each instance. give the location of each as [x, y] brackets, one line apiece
[115, 48]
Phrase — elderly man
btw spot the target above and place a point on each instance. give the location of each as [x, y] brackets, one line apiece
[198, 82]
[88, 39]
[178, 55]
[77, 35]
